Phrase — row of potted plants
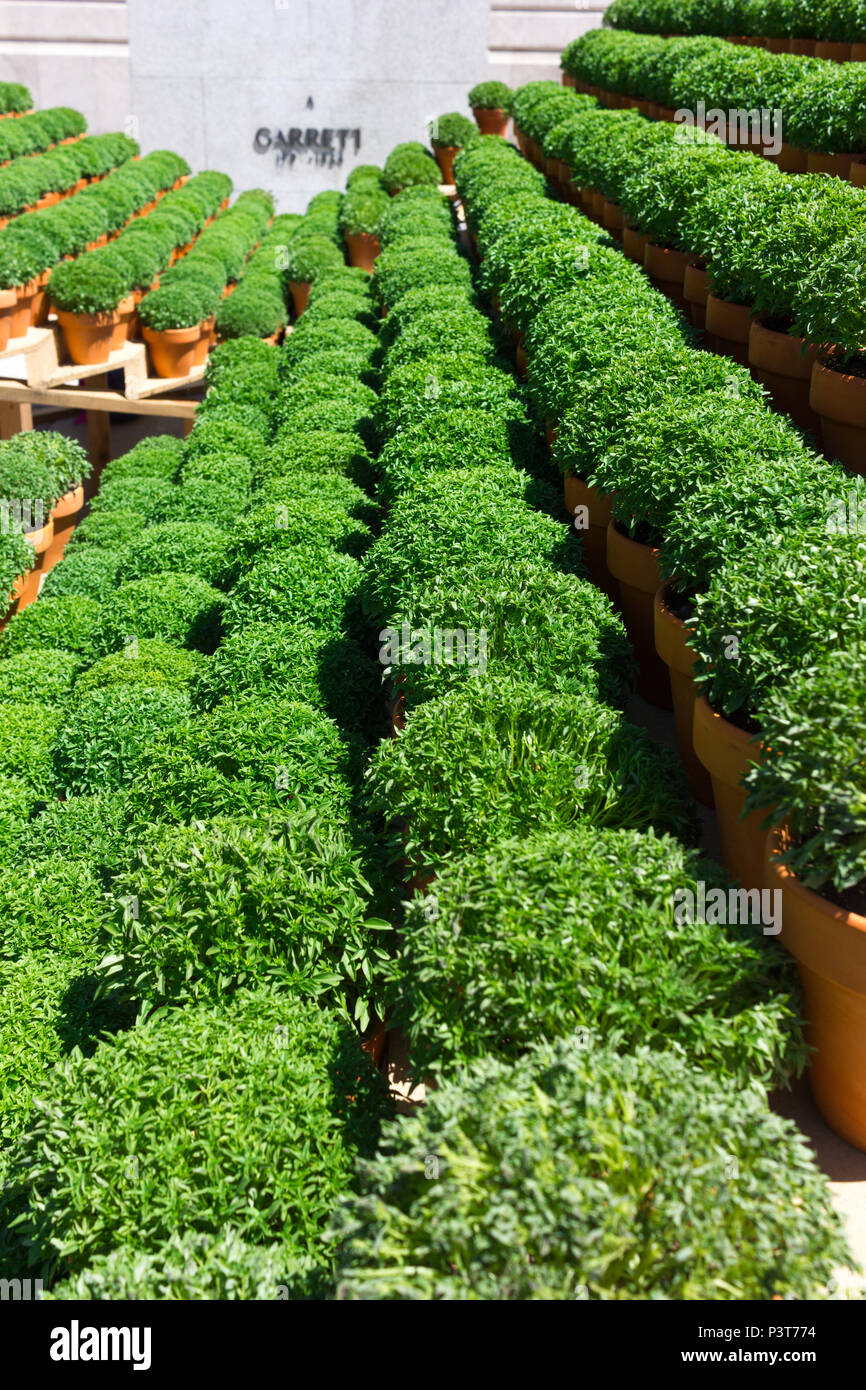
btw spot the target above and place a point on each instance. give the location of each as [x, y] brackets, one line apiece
[213, 729]
[35, 181]
[812, 111]
[760, 260]
[179, 316]
[37, 131]
[315, 247]
[99, 294]
[696, 484]
[15, 99]
[361, 208]
[243, 751]
[365, 205]
[517, 764]
[32, 245]
[42, 480]
[257, 305]
[830, 29]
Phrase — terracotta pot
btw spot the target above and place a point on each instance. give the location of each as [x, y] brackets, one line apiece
[590, 526]
[612, 218]
[126, 314]
[857, 172]
[671, 639]
[829, 946]
[562, 178]
[445, 159]
[8, 305]
[833, 52]
[598, 201]
[572, 193]
[40, 306]
[728, 328]
[173, 351]
[858, 53]
[205, 342]
[586, 197]
[300, 294]
[521, 364]
[666, 269]
[633, 243]
[64, 516]
[727, 752]
[363, 249]
[89, 337]
[41, 538]
[696, 288]
[838, 164]
[791, 159]
[666, 113]
[67, 507]
[840, 400]
[636, 568]
[567, 81]
[22, 314]
[784, 364]
[777, 45]
[491, 120]
[804, 48]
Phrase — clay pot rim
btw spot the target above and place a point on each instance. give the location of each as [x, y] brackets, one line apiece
[734, 303]
[40, 537]
[666, 620]
[788, 346]
[173, 335]
[709, 718]
[8, 299]
[657, 258]
[108, 320]
[361, 236]
[593, 497]
[824, 366]
[70, 501]
[823, 906]
[642, 557]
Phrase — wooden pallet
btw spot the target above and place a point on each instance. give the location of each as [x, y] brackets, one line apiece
[45, 365]
[36, 370]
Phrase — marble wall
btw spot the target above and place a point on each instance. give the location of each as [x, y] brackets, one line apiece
[70, 54]
[290, 94]
[284, 94]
